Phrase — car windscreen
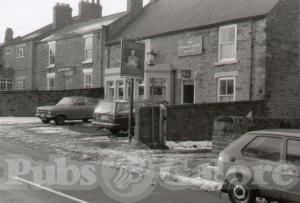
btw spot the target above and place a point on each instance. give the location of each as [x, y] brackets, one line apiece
[105, 107]
[66, 101]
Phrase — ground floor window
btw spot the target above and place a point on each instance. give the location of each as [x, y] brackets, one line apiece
[50, 83]
[110, 90]
[121, 89]
[140, 89]
[226, 89]
[188, 91]
[20, 84]
[88, 80]
[158, 90]
[68, 82]
[6, 84]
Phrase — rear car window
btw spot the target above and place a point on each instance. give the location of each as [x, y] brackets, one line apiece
[266, 148]
[293, 152]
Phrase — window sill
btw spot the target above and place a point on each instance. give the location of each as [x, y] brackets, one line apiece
[50, 66]
[221, 63]
[87, 62]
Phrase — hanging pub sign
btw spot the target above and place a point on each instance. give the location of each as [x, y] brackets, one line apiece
[190, 46]
[132, 58]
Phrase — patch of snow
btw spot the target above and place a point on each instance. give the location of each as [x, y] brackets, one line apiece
[18, 120]
[53, 130]
[189, 145]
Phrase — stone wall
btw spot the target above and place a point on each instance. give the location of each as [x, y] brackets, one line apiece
[24, 103]
[228, 129]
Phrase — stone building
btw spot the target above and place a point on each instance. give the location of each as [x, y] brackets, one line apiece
[213, 51]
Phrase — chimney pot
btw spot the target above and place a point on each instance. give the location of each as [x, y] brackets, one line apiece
[90, 9]
[134, 6]
[62, 15]
[9, 35]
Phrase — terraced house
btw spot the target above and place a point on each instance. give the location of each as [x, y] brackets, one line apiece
[214, 51]
[66, 54]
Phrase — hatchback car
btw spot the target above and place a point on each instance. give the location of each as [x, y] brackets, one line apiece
[262, 163]
[69, 108]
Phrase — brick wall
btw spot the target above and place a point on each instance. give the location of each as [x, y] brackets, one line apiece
[282, 61]
[228, 129]
[195, 122]
[24, 103]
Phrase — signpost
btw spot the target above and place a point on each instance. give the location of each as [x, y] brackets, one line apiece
[132, 66]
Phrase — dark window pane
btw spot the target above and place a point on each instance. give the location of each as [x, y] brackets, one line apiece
[230, 87]
[293, 152]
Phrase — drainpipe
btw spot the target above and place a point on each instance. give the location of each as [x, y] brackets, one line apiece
[251, 62]
[174, 86]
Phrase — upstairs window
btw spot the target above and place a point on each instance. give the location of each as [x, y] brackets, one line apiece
[88, 48]
[52, 51]
[226, 89]
[227, 43]
[7, 51]
[20, 50]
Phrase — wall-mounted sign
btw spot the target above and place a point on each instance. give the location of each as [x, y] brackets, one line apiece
[132, 58]
[190, 46]
[186, 73]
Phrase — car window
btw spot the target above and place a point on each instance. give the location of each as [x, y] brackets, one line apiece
[80, 101]
[67, 101]
[123, 107]
[266, 148]
[91, 101]
[105, 107]
[293, 152]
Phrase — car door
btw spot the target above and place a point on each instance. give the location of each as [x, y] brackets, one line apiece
[80, 109]
[90, 107]
[122, 115]
[290, 172]
[263, 155]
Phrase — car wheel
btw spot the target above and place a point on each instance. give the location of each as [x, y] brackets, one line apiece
[60, 120]
[46, 121]
[241, 194]
[86, 120]
[114, 131]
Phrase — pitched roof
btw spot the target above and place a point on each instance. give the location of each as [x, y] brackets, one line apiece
[165, 16]
[83, 27]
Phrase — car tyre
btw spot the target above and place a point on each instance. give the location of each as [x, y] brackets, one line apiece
[241, 194]
[86, 120]
[46, 121]
[60, 120]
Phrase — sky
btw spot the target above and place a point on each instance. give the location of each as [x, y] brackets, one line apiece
[25, 16]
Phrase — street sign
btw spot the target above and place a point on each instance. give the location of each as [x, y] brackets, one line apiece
[132, 58]
[190, 46]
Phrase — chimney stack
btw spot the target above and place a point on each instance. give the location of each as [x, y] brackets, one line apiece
[134, 6]
[9, 35]
[62, 15]
[89, 10]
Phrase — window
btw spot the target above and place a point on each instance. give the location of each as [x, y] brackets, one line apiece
[188, 91]
[123, 107]
[226, 89]
[52, 51]
[293, 152]
[227, 43]
[110, 90]
[88, 48]
[8, 52]
[266, 148]
[20, 84]
[51, 83]
[88, 80]
[158, 90]
[68, 82]
[121, 90]
[80, 101]
[6, 84]
[20, 49]
[140, 89]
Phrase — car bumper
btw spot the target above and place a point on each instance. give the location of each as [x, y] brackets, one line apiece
[41, 116]
[105, 125]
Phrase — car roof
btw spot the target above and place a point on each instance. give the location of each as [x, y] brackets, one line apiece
[280, 132]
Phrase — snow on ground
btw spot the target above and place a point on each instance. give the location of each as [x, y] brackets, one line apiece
[189, 145]
[54, 130]
[18, 120]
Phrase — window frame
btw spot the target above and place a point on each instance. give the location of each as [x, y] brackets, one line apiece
[49, 83]
[118, 89]
[111, 86]
[20, 50]
[68, 82]
[219, 88]
[7, 83]
[220, 44]
[140, 83]
[87, 59]
[85, 84]
[51, 53]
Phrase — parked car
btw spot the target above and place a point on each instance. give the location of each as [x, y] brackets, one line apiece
[69, 108]
[114, 116]
[262, 163]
